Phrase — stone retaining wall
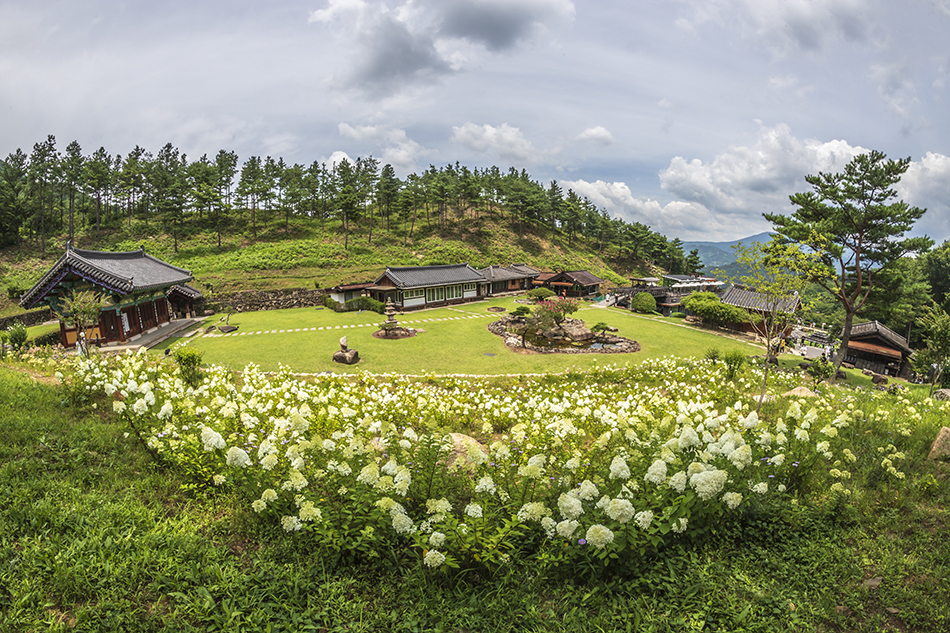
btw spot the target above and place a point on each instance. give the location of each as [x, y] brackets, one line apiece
[28, 318]
[254, 300]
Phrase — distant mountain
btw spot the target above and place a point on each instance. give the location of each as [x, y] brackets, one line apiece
[720, 254]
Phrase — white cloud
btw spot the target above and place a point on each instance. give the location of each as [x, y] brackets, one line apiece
[597, 134]
[505, 141]
[926, 184]
[756, 178]
[397, 148]
[336, 158]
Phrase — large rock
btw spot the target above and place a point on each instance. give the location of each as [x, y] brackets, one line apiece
[878, 379]
[942, 394]
[800, 392]
[570, 329]
[941, 446]
[349, 357]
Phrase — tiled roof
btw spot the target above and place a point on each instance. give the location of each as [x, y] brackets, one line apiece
[742, 297]
[583, 278]
[184, 289]
[873, 328]
[504, 273]
[426, 276]
[122, 272]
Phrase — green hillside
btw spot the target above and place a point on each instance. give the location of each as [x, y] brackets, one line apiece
[304, 255]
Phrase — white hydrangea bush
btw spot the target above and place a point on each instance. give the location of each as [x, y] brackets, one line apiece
[616, 460]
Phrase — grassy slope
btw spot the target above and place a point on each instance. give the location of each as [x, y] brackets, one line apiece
[306, 255]
[95, 537]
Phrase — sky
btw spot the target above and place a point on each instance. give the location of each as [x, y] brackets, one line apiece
[691, 116]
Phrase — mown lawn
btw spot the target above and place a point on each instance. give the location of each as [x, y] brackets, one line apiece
[456, 340]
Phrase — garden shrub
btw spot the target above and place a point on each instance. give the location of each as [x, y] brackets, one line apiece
[821, 369]
[333, 304]
[592, 474]
[540, 294]
[364, 303]
[189, 363]
[16, 336]
[643, 302]
[712, 354]
[523, 311]
[734, 361]
[708, 306]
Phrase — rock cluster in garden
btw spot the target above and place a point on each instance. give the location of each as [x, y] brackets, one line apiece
[572, 330]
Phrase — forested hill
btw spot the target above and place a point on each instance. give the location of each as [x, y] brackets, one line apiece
[264, 223]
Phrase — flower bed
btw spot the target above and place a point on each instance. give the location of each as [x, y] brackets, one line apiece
[594, 467]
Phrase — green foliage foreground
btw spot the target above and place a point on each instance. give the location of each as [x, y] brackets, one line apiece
[96, 534]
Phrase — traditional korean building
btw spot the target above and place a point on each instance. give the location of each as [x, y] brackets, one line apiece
[876, 347]
[759, 303]
[574, 283]
[414, 287]
[509, 278]
[135, 288]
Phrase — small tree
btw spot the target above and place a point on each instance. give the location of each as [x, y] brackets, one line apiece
[81, 311]
[540, 294]
[932, 361]
[600, 328]
[521, 311]
[778, 274]
[644, 303]
[557, 309]
[861, 225]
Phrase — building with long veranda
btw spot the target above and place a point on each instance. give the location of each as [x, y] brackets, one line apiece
[133, 286]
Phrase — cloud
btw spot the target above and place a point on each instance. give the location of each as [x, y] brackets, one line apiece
[505, 141]
[336, 158]
[397, 148]
[597, 134]
[895, 86]
[499, 25]
[725, 197]
[757, 178]
[418, 43]
[926, 184]
[784, 26]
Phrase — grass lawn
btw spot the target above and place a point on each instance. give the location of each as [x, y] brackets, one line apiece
[456, 340]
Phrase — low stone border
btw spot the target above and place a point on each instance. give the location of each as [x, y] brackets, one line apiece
[513, 342]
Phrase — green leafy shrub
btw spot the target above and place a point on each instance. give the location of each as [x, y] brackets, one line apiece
[712, 354]
[330, 302]
[643, 302]
[4, 336]
[821, 369]
[521, 311]
[50, 338]
[708, 306]
[540, 294]
[734, 361]
[189, 363]
[16, 336]
[364, 303]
